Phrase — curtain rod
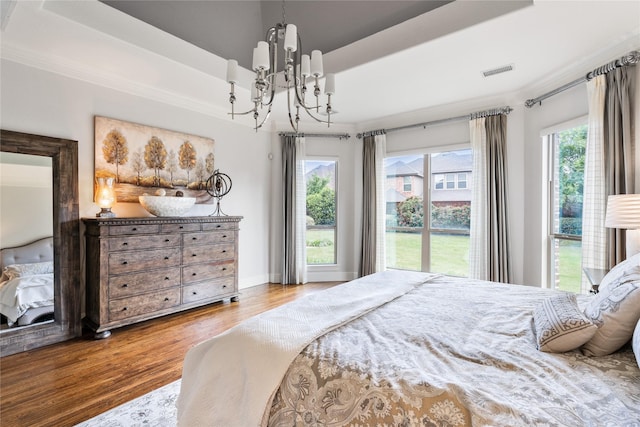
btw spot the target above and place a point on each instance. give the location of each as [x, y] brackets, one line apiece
[631, 58]
[478, 114]
[316, 135]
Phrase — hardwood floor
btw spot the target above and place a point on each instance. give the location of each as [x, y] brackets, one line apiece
[67, 383]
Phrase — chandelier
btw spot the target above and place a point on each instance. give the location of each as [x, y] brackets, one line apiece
[297, 71]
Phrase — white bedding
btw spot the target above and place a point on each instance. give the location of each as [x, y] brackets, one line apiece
[22, 293]
[234, 365]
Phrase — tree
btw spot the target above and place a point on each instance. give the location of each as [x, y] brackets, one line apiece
[321, 201]
[187, 157]
[172, 165]
[115, 150]
[200, 172]
[571, 157]
[209, 164]
[137, 163]
[411, 212]
[155, 156]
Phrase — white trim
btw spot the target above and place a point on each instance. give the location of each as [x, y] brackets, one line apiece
[429, 150]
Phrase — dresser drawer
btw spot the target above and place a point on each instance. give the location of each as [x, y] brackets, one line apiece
[209, 238]
[143, 242]
[200, 254]
[200, 272]
[128, 261]
[143, 304]
[180, 228]
[219, 226]
[137, 283]
[119, 230]
[207, 290]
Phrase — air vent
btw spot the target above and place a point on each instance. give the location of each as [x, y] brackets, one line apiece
[498, 70]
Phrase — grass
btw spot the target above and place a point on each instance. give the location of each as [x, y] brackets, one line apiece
[449, 255]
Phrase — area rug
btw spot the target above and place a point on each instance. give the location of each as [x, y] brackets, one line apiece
[154, 409]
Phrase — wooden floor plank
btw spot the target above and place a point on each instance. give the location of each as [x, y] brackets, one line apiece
[67, 383]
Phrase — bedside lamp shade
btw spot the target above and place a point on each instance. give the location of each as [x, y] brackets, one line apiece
[623, 211]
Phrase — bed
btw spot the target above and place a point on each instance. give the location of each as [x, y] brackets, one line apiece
[26, 284]
[418, 349]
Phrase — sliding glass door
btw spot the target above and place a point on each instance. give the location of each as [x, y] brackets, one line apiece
[438, 184]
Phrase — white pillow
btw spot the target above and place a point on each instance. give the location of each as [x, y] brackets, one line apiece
[636, 343]
[619, 271]
[616, 310]
[14, 271]
[560, 325]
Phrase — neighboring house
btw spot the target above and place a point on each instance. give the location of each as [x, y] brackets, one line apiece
[450, 180]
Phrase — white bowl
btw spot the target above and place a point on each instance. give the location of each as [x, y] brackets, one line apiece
[166, 205]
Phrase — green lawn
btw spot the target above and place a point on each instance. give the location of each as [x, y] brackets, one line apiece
[449, 255]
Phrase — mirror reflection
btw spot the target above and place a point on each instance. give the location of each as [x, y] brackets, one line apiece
[26, 242]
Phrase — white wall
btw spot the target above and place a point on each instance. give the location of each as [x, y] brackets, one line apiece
[44, 103]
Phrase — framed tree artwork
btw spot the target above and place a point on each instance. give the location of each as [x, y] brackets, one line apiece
[143, 159]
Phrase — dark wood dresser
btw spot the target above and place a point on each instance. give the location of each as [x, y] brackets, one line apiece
[141, 268]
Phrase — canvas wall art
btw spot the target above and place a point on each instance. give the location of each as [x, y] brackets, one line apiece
[144, 159]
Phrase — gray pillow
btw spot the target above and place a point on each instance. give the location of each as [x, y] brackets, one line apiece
[560, 325]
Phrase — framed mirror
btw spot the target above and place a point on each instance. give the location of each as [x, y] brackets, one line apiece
[66, 244]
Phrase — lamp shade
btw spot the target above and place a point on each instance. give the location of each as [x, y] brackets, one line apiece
[623, 211]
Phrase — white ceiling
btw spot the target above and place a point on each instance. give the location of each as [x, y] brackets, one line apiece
[427, 62]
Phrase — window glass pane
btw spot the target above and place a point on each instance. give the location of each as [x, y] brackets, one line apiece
[451, 181]
[567, 150]
[321, 211]
[407, 183]
[405, 212]
[451, 214]
[439, 181]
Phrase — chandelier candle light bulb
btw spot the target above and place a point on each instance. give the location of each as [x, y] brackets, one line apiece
[290, 75]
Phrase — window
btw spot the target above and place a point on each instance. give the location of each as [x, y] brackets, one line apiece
[440, 244]
[321, 178]
[406, 184]
[462, 180]
[566, 150]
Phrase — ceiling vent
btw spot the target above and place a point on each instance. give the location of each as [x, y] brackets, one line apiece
[498, 70]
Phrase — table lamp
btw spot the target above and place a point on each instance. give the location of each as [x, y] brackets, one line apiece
[623, 211]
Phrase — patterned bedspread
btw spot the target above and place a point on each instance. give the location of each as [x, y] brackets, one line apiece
[454, 352]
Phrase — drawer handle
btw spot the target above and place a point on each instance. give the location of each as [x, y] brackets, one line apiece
[166, 278]
[124, 308]
[181, 227]
[193, 274]
[194, 255]
[218, 226]
[224, 286]
[134, 229]
[194, 238]
[195, 293]
[224, 236]
[166, 299]
[166, 257]
[125, 244]
[125, 262]
[224, 251]
[224, 268]
[166, 240]
[125, 285]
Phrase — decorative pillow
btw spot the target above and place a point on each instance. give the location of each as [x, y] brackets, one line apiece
[616, 310]
[560, 325]
[621, 270]
[636, 343]
[14, 271]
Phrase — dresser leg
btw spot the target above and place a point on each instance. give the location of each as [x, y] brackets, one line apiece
[235, 299]
[101, 335]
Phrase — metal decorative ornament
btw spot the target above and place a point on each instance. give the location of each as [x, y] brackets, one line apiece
[218, 185]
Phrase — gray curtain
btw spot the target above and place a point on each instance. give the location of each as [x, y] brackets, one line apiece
[289, 272]
[618, 149]
[498, 218]
[368, 258]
